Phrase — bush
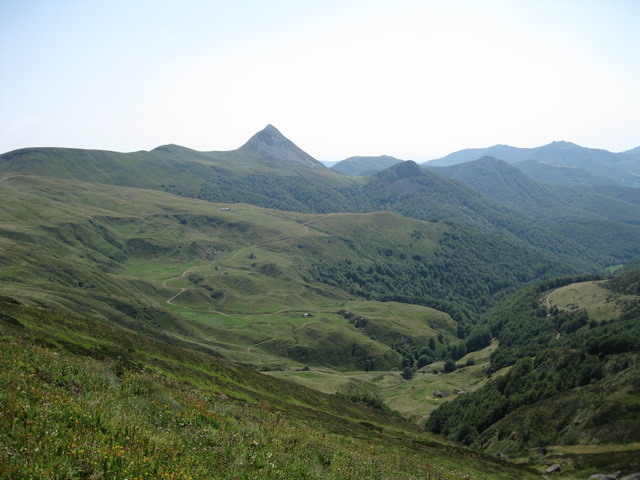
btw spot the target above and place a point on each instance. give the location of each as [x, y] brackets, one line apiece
[449, 366]
[407, 373]
[423, 361]
[370, 400]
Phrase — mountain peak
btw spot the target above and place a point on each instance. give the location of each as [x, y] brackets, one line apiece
[406, 169]
[633, 151]
[489, 160]
[272, 145]
[171, 148]
[364, 165]
[562, 143]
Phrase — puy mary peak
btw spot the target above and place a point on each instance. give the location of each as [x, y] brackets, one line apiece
[272, 145]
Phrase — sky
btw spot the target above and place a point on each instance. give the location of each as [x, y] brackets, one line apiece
[408, 78]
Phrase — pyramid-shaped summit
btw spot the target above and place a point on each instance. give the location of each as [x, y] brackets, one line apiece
[406, 169]
[271, 144]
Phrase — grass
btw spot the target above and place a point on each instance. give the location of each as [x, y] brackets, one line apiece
[413, 399]
[242, 271]
[590, 449]
[80, 399]
[599, 302]
[118, 254]
[582, 461]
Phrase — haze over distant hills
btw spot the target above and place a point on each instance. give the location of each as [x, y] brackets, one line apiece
[542, 162]
[607, 215]
[508, 184]
[562, 174]
[561, 163]
[364, 165]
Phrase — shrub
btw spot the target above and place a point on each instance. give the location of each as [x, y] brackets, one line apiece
[407, 373]
[449, 366]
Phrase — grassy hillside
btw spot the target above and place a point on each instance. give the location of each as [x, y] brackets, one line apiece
[81, 399]
[413, 398]
[239, 282]
[261, 287]
[236, 176]
[293, 181]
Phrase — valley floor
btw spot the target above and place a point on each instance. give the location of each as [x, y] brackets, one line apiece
[412, 398]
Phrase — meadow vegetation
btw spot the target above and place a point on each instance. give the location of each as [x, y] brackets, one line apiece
[148, 332]
[261, 287]
[81, 399]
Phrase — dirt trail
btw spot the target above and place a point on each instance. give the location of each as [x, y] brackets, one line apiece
[13, 176]
[262, 342]
[164, 284]
[547, 303]
[262, 244]
[306, 230]
[184, 289]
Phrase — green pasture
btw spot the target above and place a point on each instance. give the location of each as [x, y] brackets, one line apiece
[124, 405]
[412, 398]
[598, 301]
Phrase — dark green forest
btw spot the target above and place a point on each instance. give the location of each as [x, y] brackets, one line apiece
[553, 353]
[469, 273]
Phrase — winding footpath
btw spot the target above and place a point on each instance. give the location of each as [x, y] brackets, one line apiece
[262, 244]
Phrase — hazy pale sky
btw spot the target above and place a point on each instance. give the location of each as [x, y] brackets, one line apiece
[412, 79]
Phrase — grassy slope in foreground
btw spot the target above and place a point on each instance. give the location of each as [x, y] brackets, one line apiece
[81, 399]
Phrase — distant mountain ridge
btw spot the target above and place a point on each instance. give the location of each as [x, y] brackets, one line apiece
[606, 217]
[557, 174]
[633, 151]
[506, 153]
[270, 171]
[623, 168]
[364, 165]
[420, 193]
[502, 182]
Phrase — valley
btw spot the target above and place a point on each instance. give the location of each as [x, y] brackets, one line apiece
[123, 404]
[237, 278]
[437, 314]
[413, 399]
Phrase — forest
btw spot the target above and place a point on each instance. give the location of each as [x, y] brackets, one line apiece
[552, 352]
